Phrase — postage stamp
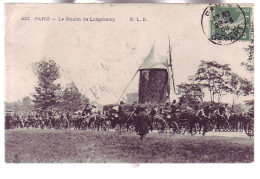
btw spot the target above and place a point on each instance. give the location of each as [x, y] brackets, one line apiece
[228, 23]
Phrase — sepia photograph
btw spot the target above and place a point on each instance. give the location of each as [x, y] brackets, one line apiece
[129, 83]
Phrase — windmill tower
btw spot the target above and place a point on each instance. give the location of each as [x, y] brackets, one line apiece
[154, 79]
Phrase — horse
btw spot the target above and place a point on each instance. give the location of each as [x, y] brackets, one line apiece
[192, 122]
[221, 122]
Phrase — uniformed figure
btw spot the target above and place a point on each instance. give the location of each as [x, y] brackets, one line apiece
[223, 111]
[138, 110]
[208, 110]
[167, 107]
[174, 109]
[94, 109]
[120, 112]
[152, 113]
[133, 107]
[87, 109]
[197, 109]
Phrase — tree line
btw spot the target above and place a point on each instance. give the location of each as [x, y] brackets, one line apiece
[218, 80]
[48, 93]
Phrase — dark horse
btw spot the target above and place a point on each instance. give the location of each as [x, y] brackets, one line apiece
[221, 122]
[192, 122]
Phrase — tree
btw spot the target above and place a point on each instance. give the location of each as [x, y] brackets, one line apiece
[215, 77]
[84, 100]
[26, 101]
[249, 63]
[190, 93]
[46, 91]
[27, 104]
[240, 87]
[72, 98]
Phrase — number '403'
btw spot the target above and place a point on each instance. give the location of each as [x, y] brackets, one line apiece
[25, 18]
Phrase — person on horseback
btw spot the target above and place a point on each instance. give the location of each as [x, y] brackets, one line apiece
[133, 107]
[153, 113]
[138, 109]
[208, 110]
[197, 109]
[174, 110]
[120, 112]
[223, 111]
[87, 109]
[167, 108]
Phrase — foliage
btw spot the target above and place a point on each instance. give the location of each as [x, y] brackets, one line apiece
[190, 93]
[25, 105]
[240, 87]
[215, 77]
[72, 99]
[46, 92]
[249, 63]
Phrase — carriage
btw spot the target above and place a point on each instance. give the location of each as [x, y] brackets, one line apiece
[125, 122]
[163, 123]
[249, 123]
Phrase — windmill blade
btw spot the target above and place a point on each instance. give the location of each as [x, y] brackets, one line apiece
[172, 75]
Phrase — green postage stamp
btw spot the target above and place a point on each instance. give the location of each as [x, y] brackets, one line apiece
[229, 23]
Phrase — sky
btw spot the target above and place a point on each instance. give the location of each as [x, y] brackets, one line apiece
[104, 56]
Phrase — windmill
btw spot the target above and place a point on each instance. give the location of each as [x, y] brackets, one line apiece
[156, 75]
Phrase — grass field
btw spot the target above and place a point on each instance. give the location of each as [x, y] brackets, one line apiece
[48, 146]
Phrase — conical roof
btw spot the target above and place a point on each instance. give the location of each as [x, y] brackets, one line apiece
[154, 61]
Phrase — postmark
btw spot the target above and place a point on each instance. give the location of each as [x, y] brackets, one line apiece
[226, 24]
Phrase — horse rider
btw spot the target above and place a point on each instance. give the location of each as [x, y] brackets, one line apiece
[167, 108]
[200, 112]
[133, 107]
[120, 112]
[153, 113]
[94, 110]
[138, 109]
[87, 109]
[232, 110]
[208, 110]
[222, 111]
[174, 110]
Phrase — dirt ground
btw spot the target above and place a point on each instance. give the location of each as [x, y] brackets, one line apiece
[74, 146]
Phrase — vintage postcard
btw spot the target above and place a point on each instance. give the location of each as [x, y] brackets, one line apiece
[129, 83]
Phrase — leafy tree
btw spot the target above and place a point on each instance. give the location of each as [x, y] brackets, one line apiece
[26, 101]
[240, 87]
[27, 104]
[46, 91]
[214, 77]
[84, 100]
[190, 93]
[72, 99]
[249, 63]
[23, 105]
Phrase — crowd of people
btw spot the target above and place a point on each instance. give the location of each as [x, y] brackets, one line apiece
[138, 116]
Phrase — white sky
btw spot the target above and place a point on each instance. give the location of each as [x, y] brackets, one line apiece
[80, 47]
